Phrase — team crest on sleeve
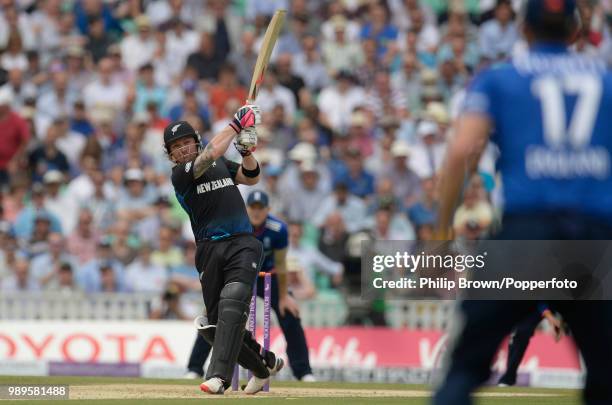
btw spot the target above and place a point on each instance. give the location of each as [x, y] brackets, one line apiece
[187, 167]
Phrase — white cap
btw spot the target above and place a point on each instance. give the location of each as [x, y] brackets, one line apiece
[6, 95]
[437, 111]
[401, 148]
[53, 176]
[303, 151]
[133, 174]
[427, 128]
[308, 166]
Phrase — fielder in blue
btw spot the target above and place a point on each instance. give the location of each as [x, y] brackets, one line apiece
[272, 233]
[549, 112]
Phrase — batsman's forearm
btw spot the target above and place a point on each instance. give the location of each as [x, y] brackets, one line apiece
[213, 151]
[280, 264]
[249, 162]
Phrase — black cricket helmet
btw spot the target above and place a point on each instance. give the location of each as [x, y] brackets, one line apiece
[177, 130]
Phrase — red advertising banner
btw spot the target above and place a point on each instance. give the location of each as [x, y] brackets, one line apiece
[168, 344]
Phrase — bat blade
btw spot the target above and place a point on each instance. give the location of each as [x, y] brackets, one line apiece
[263, 58]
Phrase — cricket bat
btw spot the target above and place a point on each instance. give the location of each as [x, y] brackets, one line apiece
[264, 53]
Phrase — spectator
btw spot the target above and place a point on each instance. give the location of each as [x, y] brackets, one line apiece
[20, 279]
[336, 103]
[185, 275]
[93, 275]
[352, 208]
[300, 286]
[287, 76]
[311, 260]
[428, 152]
[98, 41]
[384, 98]
[426, 209]
[77, 69]
[138, 49]
[20, 88]
[44, 267]
[333, 241]
[124, 243]
[103, 93]
[47, 156]
[309, 66]
[83, 240]
[427, 35]
[167, 254]
[272, 93]
[58, 100]
[38, 243]
[171, 305]
[302, 203]
[206, 60]
[406, 182]
[498, 36]
[136, 199]
[69, 142]
[63, 280]
[291, 40]
[108, 279]
[181, 41]
[245, 57]
[340, 53]
[226, 88]
[14, 56]
[24, 222]
[147, 90]
[131, 153]
[383, 229]
[144, 276]
[15, 136]
[102, 205]
[79, 122]
[379, 28]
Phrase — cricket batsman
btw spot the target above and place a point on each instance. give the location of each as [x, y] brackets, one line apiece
[272, 232]
[228, 256]
[548, 108]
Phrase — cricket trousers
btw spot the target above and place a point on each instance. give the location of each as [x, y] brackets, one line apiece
[297, 348]
[518, 345]
[482, 325]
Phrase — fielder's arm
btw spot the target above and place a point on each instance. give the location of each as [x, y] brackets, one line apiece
[280, 265]
[462, 157]
[213, 151]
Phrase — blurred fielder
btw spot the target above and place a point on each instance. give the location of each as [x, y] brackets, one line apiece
[228, 256]
[272, 232]
[550, 111]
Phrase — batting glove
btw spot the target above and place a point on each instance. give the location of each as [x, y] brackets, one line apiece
[246, 141]
[247, 116]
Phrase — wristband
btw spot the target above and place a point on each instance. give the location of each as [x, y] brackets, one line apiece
[251, 173]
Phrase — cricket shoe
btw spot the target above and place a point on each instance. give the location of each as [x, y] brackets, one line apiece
[213, 386]
[308, 378]
[257, 384]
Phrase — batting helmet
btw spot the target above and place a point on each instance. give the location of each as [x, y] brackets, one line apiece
[177, 130]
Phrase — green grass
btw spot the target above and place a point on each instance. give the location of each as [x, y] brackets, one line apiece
[558, 396]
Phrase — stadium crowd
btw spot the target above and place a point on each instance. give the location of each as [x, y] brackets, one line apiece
[357, 109]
